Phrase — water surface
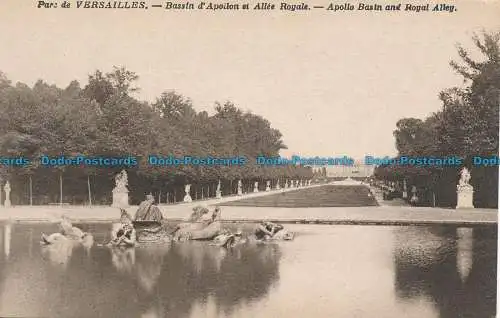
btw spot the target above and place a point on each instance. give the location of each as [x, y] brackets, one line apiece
[327, 271]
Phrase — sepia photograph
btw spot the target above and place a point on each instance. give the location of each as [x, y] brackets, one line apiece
[249, 159]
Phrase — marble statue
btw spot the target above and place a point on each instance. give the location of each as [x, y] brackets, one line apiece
[121, 180]
[218, 193]
[240, 185]
[414, 197]
[7, 195]
[465, 177]
[465, 191]
[187, 190]
[120, 192]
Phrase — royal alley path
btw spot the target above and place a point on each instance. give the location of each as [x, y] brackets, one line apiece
[334, 203]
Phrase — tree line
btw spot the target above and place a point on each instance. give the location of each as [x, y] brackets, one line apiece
[466, 126]
[103, 118]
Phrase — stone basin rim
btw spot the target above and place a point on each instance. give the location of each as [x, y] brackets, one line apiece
[399, 222]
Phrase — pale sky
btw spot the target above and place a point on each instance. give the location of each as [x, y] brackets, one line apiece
[332, 83]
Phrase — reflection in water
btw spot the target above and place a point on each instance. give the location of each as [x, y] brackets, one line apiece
[149, 260]
[148, 281]
[464, 252]
[172, 279]
[439, 272]
[232, 277]
[200, 255]
[7, 235]
[123, 259]
[59, 253]
[152, 313]
[87, 243]
[453, 268]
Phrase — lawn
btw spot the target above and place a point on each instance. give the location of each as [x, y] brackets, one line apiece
[327, 196]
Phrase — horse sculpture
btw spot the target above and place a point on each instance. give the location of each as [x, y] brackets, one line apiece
[201, 225]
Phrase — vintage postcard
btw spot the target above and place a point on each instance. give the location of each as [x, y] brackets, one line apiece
[240, 158]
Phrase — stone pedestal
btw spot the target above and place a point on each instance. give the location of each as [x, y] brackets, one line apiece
[278, 185]
[120, 198]
[268, 185]
[286, 184]
[256, 187]
[465, 195]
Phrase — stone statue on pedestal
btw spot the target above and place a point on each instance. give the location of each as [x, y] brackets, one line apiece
[286, 184]
[240, 184]
[121, 180]
[464, 178]
[7, 195]
[414, 198]
[218, 193]
[277, 185]
[268, 185]
[309, 182]
[187, 190]
[256, 187]
[120, 192]
[465, 192]
[405, 190]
